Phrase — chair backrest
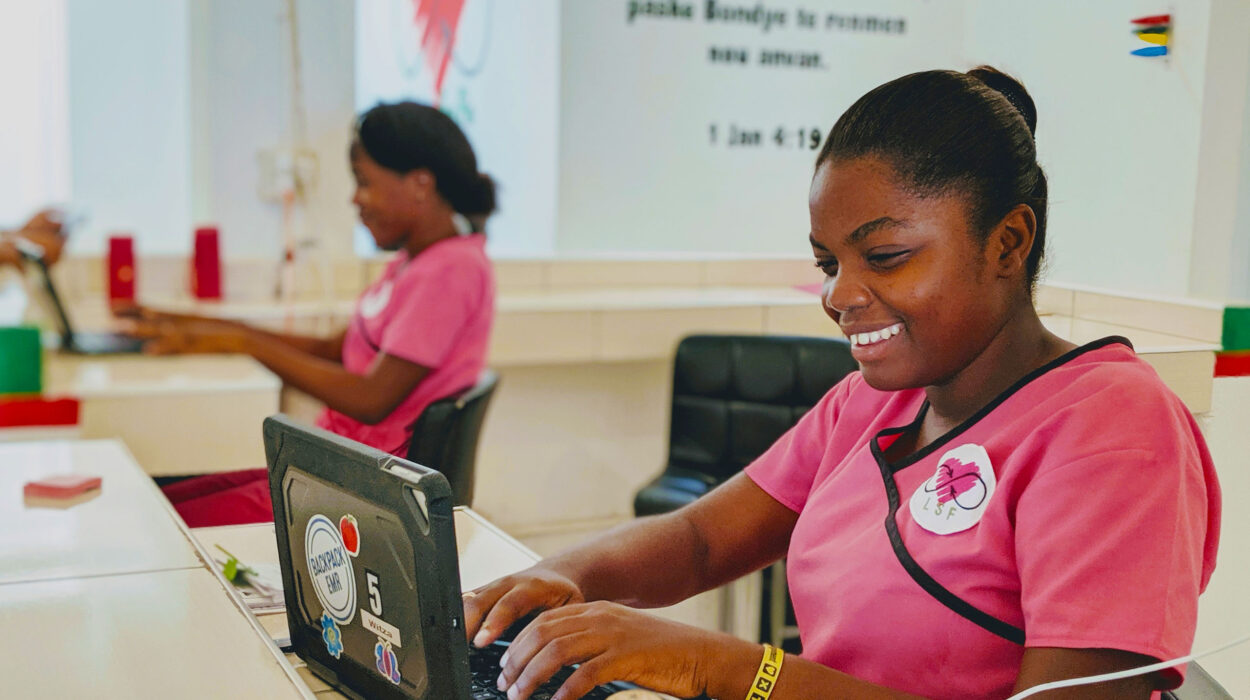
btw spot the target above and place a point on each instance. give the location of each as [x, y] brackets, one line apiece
[445, 435]
[1198, 685]
[734, 395]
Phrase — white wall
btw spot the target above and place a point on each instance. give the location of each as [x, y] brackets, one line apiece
[129, 120]
[1220, 267]
[1118, 134]
[639, 170]
[242, 87]
[501, 88]
[34, 128]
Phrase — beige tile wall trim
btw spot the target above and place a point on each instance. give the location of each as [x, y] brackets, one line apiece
[1054, 300]
[1189, 374]
[1198, 321]
[640, 335]
[327, 281]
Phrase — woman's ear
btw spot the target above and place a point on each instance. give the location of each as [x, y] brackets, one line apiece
[1011, 240]
[421, 184]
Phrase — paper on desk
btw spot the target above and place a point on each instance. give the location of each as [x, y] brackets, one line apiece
[262, 590]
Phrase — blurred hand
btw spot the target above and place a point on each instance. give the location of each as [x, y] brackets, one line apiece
[611, 643]
[491, 609]
[44, 230]
[175, 336]
[137, 312]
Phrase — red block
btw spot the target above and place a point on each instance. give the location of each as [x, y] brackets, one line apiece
[121, 264]
[1153, 19]
[25, 413]
[206, 264]
[66, 486]
[1232, 364]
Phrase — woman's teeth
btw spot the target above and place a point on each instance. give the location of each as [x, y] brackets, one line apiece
[860, 339]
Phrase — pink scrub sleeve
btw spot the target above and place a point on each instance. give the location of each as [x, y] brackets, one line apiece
[437, 306]
[787, 470]
[1122, 566]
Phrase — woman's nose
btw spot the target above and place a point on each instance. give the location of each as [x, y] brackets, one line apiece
[843, 293]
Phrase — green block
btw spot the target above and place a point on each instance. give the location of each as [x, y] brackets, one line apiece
[1236, 328]
[21, 360]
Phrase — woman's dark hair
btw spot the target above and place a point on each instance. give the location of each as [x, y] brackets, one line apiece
[944, 131]
[407, 136]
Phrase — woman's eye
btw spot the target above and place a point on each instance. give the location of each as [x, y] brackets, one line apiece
[888, 259]
[829, 267]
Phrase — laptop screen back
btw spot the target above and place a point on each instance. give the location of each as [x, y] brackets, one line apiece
[368, 565]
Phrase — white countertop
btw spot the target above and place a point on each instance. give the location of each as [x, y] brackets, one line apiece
[128, 528]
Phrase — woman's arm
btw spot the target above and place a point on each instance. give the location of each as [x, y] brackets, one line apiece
[612, 643]
[368, 398]
[330, 348]
[299, 362]
[649, 562]
[150, 320]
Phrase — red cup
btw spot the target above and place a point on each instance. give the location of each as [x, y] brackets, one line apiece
[121, 268]
[206, 264]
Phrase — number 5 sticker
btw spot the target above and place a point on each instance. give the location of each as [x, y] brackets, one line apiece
[375, 595]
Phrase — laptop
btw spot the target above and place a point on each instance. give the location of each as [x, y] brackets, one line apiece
[367, 548]
[72, 341]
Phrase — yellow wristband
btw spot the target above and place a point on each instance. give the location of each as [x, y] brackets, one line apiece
[766, 677]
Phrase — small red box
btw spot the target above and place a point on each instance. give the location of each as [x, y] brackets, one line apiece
[65, 486]
[206, 264]
[121, 263]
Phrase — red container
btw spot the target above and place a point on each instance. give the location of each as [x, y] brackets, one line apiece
[206, 264]
[121, 264]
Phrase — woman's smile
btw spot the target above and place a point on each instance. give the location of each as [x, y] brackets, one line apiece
[867, 344]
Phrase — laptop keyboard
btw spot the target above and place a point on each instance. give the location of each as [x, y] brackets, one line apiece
[484, 669]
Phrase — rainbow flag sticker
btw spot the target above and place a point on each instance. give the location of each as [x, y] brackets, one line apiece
[1155, 30]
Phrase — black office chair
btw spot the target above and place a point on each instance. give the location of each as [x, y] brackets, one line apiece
[445, 435]
[733, 396]
[1198, 685]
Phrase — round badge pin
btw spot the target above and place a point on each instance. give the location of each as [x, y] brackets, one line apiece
[330, 568]
[958, 493]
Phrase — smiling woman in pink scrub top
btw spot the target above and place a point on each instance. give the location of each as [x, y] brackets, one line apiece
[984, 507]
[418, 333]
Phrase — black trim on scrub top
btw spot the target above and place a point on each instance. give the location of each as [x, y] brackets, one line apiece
[960, 606]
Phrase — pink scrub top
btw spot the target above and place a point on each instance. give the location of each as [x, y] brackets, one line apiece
[435, 310]
[1080, 509]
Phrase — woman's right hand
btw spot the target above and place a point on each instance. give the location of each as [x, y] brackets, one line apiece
[493, 608]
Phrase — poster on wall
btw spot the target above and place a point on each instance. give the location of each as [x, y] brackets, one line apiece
[492, 65]
[694, 125]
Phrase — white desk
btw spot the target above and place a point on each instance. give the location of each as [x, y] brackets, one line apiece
[128, 528]
[485, 554]
[112, 597]
[180, 415]
[163, 634]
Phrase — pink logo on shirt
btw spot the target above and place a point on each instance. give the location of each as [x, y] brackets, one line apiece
[955, 497]
[955, 478]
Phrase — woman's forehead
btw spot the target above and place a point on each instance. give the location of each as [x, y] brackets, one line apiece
[848, 196]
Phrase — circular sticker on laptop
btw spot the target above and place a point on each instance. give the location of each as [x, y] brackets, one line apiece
[330, 568]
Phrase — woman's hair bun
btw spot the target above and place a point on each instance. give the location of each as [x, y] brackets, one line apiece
[483, 196]
[1011, 89]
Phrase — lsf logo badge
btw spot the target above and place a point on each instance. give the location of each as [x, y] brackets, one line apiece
[956, 496]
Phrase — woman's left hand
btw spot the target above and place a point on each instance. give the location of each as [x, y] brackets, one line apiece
[611, 643]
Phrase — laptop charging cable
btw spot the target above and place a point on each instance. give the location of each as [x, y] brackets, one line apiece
[1127, 673]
